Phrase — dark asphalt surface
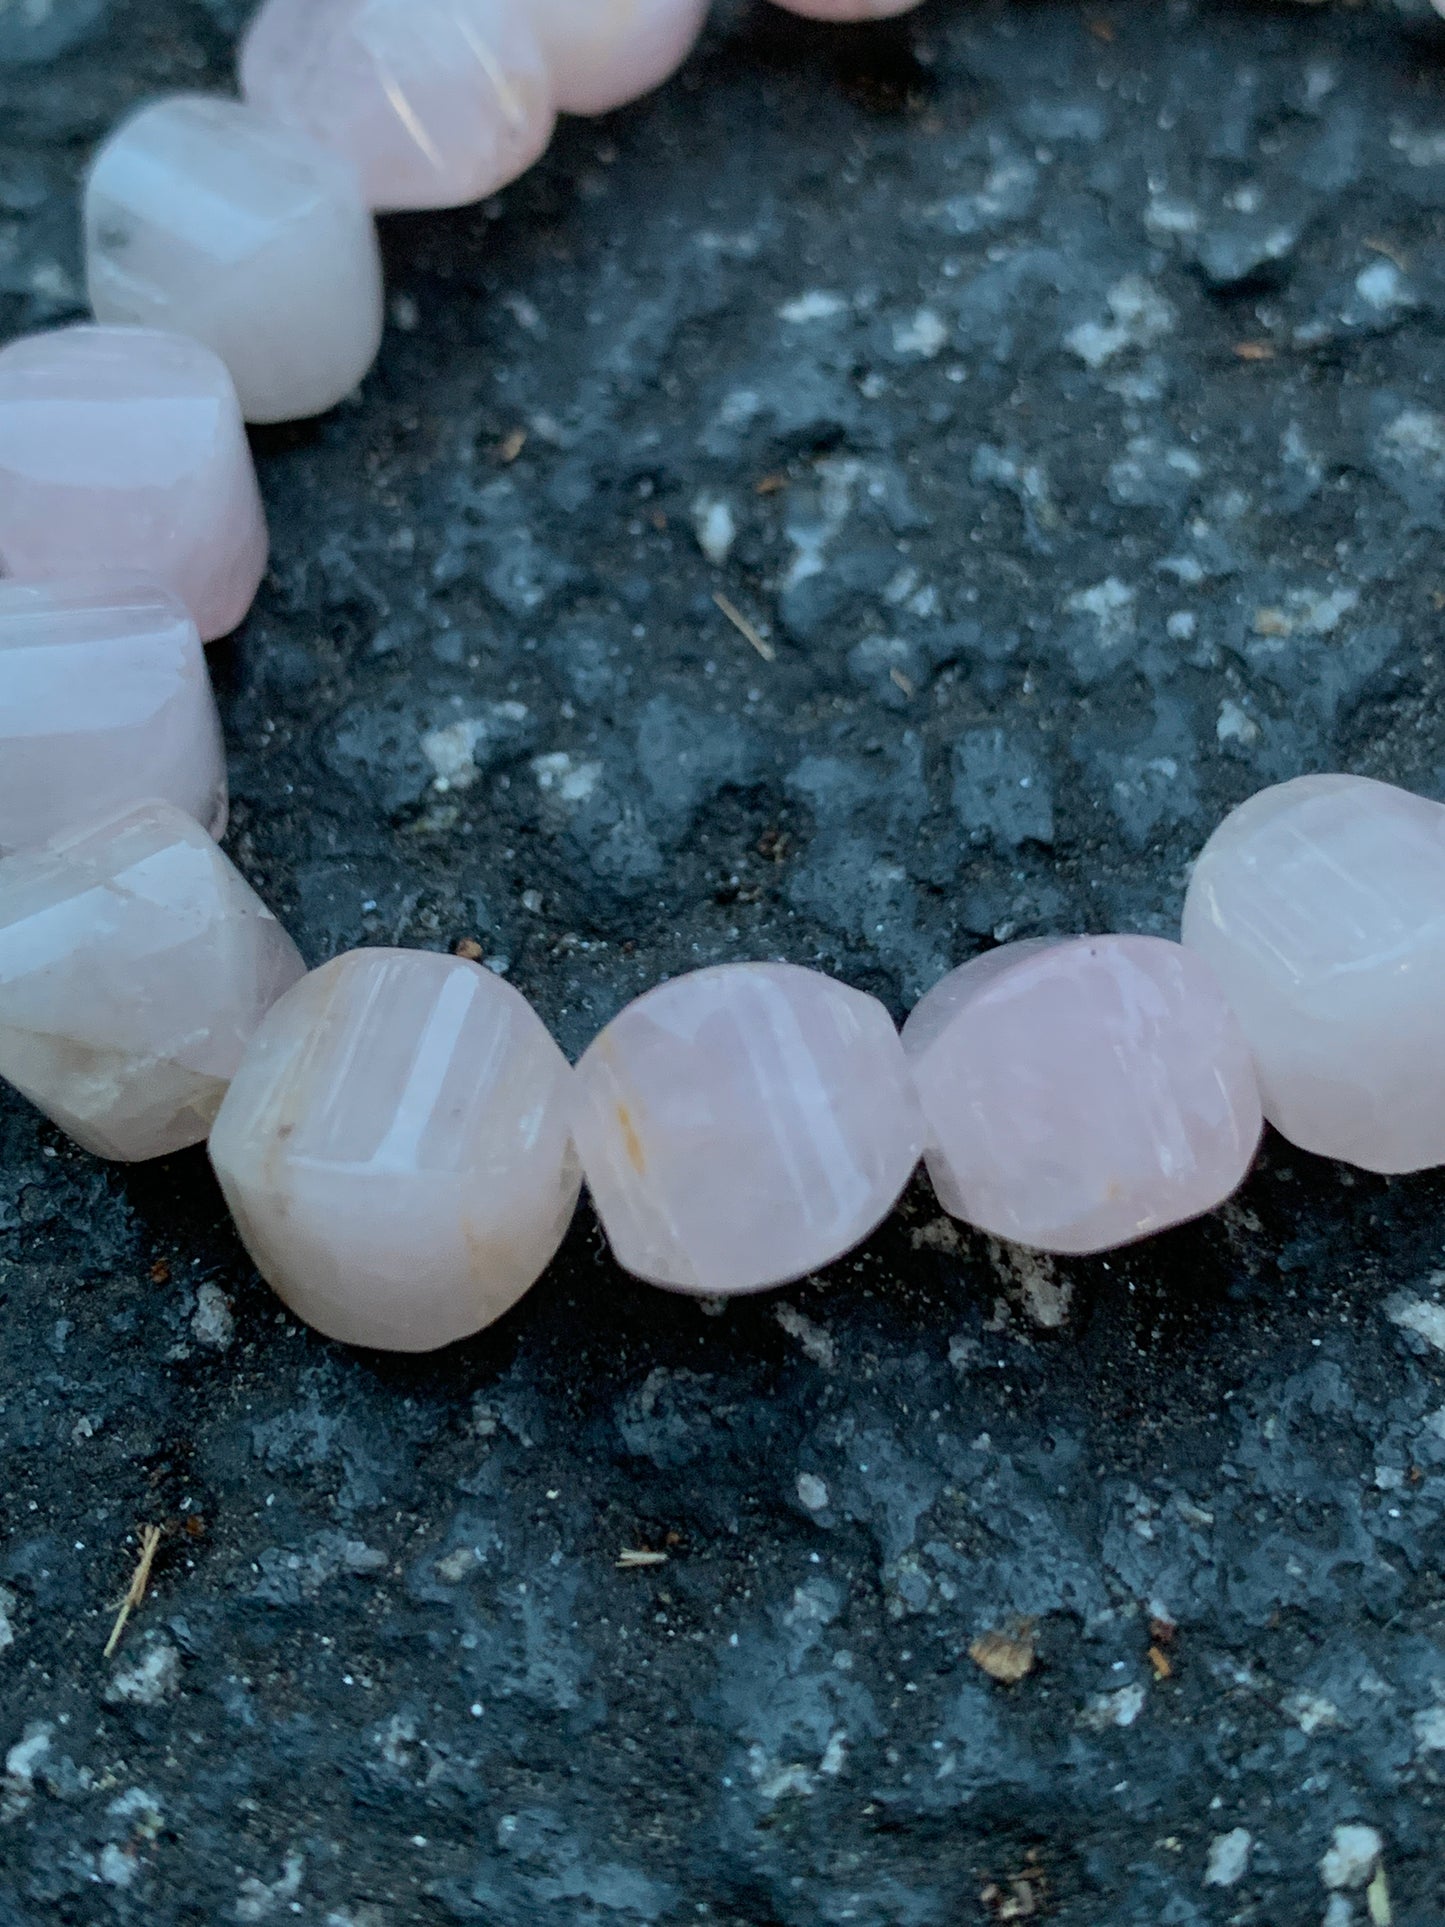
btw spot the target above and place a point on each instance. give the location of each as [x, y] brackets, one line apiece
[1060, 389]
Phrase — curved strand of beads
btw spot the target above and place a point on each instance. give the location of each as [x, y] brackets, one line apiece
[397, 1144]
[401, 1140]
[245, 225]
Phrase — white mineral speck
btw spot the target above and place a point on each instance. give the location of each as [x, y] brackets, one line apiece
[1420, 1316]
[1235, 724]
[1353, 1856]
[1120, 1708]
[212, 1323]
[1138, 316]
[817, 305]
[150, 1679]
[716, 528]
[570, 782]
[922, 336]
[1228, 1857]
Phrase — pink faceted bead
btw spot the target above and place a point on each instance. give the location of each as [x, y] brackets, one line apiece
[209, 218]
[436, 102]
[104, 702]
[1080, 1095]
[848, 11]
[395, 1149]
[604, 53]
[1320, 905]
[124, 449]
[135, 963]
[744, 1126]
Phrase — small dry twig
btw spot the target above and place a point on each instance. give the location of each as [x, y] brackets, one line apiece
[150, 1539]
[1377, 1899]
[745, 628]
[630, 1561]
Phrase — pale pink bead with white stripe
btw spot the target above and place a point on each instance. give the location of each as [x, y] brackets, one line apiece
[395, 1150]
[105, 701]
[1320, 906]
[135, 964]
[744, 1125]
[124, 449]
[1083, 1094]
[436, 102]
[208, 217]
[604, 53]
[847, 12]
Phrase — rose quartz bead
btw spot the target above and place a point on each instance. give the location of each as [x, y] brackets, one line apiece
[436, 102]
[848, 10]
[395, 1149]
[209, 218]
[1080, 1095]
[604, 53]
[135, 963]
[104, 702]
[124, 448]
[1320, 905]
[744, 1125]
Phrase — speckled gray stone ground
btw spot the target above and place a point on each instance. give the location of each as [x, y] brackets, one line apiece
[1061, 389]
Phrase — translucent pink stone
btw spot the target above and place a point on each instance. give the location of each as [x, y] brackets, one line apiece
[436, 102]
[744, 1125]
[604, 53]
[395, 1149]
[124, 449]
[104, 702]
[211, 219]
[1080, 1095]
[1320, 905]
[135, 963]
[848, 10]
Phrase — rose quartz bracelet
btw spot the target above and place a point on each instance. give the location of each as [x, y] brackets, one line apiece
[399, 1138]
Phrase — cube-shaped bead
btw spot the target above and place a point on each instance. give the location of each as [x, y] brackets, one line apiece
[744, 1125]
[395, 1149]
[1083, 1094]
[211, 219]
[105, 701]
[604, 53]
[847, 12]
[135, 963]
[1320, 906]
[435, 102]
[124, 448]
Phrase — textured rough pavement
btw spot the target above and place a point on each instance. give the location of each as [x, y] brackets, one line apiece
[1060, 391]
